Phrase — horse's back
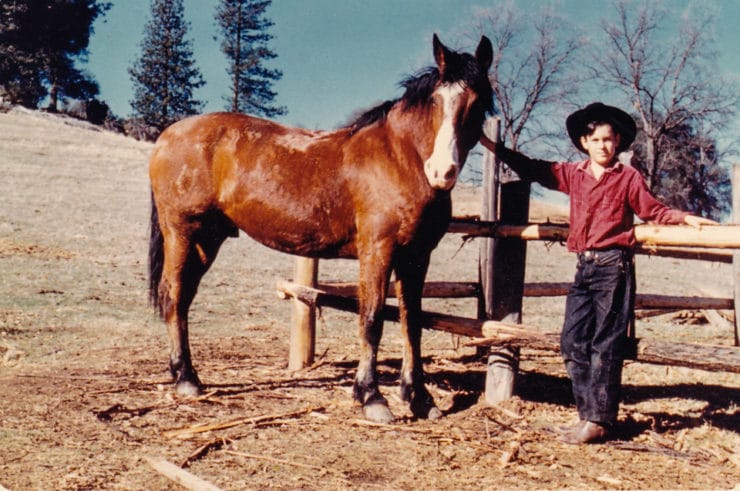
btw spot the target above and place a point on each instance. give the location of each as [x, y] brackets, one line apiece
[279, 184]
[196, 159]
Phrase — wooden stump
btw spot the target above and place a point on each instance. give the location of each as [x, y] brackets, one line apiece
[303, 326]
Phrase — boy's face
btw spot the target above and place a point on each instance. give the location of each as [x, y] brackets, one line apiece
[601, 145]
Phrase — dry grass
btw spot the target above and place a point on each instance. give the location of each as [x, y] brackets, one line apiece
[84, 395]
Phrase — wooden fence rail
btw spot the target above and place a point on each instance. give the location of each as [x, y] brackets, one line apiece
[451, 289]
[496, 333]
[714, 236]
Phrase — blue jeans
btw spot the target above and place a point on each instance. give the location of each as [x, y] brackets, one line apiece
[593, 342]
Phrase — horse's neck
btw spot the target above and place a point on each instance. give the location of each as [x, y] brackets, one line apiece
[409, 129]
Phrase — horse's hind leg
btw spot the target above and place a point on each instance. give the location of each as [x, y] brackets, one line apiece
[189, 252]
[410, 273]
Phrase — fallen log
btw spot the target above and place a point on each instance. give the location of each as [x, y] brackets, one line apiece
[495, 333]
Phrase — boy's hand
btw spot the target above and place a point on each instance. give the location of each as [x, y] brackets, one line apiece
[697, 222]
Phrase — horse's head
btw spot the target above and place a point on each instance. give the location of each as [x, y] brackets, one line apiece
[461, 97]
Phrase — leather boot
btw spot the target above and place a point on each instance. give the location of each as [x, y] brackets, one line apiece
[569, 428]
[588, 432]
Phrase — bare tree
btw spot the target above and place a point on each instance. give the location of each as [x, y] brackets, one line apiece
[668, 76]
[532, 71]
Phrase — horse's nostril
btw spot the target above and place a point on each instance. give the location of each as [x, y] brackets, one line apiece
[450, 174]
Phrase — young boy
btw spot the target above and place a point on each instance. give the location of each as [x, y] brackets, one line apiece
[604, 197]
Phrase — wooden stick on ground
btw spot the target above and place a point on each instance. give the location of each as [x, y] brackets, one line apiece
[202, 428]
[180, 476]
[221, 441]
[275, 460]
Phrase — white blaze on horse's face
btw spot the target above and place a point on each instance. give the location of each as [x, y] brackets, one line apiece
[443, 166]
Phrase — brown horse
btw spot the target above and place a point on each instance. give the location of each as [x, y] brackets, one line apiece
[377, 190]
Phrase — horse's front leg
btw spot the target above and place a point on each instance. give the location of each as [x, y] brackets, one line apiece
[411, 271]
[372, 290]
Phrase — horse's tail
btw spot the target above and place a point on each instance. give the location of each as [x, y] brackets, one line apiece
[156, 259]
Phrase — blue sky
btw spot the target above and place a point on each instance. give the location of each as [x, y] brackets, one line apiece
[337, 56]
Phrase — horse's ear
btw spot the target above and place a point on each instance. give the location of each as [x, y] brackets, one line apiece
[484, 53]
[440, 53]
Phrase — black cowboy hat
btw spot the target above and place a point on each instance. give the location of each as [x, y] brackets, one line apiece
[620, 121]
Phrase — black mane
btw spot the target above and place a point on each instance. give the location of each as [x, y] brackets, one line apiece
[419, 88]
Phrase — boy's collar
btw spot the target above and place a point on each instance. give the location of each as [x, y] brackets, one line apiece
[616, 166]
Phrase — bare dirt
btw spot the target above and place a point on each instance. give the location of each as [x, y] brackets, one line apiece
[85, 399]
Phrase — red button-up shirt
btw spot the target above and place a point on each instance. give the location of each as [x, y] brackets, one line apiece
[601, 211]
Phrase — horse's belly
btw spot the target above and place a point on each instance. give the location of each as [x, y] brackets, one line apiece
[309, 237]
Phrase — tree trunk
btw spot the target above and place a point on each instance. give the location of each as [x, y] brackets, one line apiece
[651, 164]
[53, 98]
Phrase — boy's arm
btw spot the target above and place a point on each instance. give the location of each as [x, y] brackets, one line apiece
[528, 169]
[649, 208]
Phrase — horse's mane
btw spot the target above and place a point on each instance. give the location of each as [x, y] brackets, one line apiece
[419, 88]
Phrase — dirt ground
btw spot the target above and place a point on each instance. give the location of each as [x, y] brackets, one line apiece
[86, 403]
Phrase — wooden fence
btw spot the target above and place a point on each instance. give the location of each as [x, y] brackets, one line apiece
[503, 230]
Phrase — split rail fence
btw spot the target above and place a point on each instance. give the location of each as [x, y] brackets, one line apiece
[503, 229]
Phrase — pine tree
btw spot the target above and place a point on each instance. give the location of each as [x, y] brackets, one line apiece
[40, 43]
[19, 79]
[244, 42]
[165, 75]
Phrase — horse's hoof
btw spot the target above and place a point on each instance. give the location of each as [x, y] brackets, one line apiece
[378, 413]
[188, 389]
[434, 413]
[425, 409]
[427, 412]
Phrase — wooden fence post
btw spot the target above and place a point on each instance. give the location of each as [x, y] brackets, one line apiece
[501, 268]
[736, 253]
[303, 325]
